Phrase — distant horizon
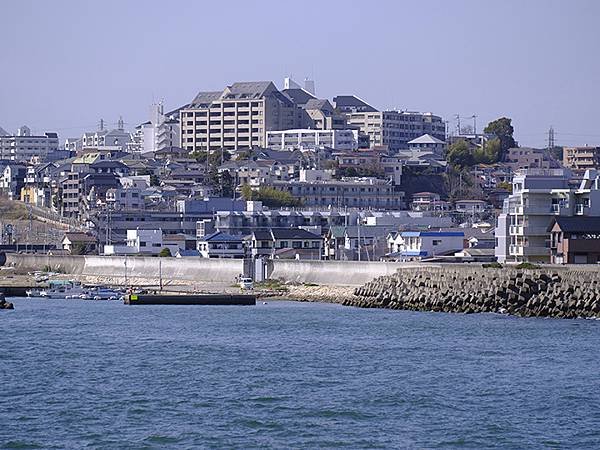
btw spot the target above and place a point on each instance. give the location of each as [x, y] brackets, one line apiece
[530, 61]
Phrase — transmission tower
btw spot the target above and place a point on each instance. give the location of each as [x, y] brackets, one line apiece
[550, 138]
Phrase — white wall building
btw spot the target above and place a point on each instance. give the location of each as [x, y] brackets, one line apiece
[425, 244]
[538, 196]
[24, 146]
[311, 139]
[141, 242]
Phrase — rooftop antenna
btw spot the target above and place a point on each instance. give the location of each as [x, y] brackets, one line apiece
[121, 124]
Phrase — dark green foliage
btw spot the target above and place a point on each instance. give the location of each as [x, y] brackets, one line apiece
[460, 155]
[165, 253]
[526, 265]
[504, 130]
[269, 196]
[492, 265]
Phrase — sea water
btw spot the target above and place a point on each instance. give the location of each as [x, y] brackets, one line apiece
[85, 374]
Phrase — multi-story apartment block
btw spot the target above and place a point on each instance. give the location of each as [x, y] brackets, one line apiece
[529, 158]
[117, 139]
[311, 139]
[395, 129]
[161, 132]
[364, 193]
[538, 196]
[580, 159]
[24, 146]
[237, 117]
[319, 113]
[69, 194]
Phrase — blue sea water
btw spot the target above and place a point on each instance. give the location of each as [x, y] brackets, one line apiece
[84, 374]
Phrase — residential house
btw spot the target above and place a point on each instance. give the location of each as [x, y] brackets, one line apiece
[415, 245]
[221, 245]
[286, 243]
[79, 243]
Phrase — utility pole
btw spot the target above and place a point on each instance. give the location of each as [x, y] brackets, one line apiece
[474, 117]
[160, 282]
[457, 117]
[358, 228]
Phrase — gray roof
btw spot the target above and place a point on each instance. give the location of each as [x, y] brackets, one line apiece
[205, 98]
[248, 89]
[298, 96]
[240, 90]
[577, 224]
[316, 103]
[351, 101]
[426, 139]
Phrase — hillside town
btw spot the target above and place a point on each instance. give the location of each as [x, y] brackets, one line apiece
[260, 171]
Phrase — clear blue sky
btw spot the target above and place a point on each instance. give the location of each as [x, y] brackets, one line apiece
[66, 64]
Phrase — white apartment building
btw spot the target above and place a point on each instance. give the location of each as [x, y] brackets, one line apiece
[116, 139]
[237, 117]
[395, 129]
[311, 139]
[538, 196]
[161, 131]
[363, 193]
[24, 146]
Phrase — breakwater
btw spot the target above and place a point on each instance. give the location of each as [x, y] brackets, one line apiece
[568, 293]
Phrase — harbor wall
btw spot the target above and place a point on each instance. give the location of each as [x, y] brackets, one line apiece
[341, 273]
[344, 273]
[209, 270]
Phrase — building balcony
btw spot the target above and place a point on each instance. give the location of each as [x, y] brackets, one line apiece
[520, 250]
[527, 230]
[534, 209]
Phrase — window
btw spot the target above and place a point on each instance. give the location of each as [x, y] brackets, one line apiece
[296, 244]
[437, 241]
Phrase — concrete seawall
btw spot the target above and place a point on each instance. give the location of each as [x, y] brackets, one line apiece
[340, 273]
[208, 270]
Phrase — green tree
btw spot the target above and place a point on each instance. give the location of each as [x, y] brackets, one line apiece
[269, 196]
[165, 253]
[503, 130]
[460, 155]
[226, 184]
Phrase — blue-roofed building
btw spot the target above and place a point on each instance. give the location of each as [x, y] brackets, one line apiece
[413, 245]
[221, 245]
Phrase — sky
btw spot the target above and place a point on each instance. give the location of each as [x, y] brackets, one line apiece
[64, 65]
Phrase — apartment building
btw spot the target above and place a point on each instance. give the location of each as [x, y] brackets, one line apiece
[364, 193]
[116, 140]
[529, 158]
[312, 139]
[237, 117]
[395, 129]
[579, 159]
[540, 195]
[69, 194]
[24, 146]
